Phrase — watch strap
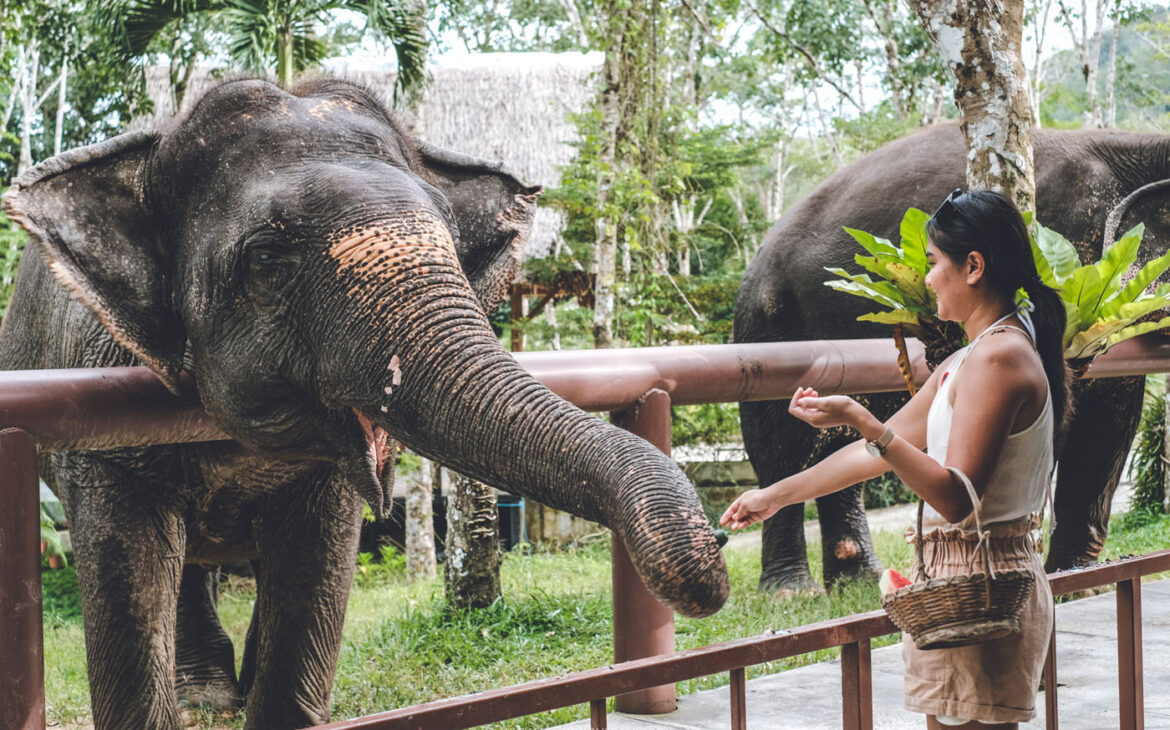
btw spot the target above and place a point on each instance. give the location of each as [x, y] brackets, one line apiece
[882, 442]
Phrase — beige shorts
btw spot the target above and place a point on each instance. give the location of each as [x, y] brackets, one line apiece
[992, 682]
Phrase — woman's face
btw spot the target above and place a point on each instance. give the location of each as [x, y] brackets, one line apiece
[948, 281]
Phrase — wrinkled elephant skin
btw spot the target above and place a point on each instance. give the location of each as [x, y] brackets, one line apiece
[1081, 176]
[325, 279]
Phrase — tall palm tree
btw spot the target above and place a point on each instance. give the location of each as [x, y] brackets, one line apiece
[276, 35]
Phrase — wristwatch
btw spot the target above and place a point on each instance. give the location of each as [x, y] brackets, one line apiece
[877, 447]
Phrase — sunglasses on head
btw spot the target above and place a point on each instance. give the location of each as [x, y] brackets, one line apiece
[947, 208]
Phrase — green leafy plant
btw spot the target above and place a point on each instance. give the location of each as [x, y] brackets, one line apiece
[1148, 465]
[1103, 306]
[388, 564]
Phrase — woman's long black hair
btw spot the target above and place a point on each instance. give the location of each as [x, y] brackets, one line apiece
[987, 222]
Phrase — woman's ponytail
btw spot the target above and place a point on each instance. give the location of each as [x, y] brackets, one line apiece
[1049, 317]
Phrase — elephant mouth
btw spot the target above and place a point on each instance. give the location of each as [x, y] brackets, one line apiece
[378, 443]
[381, 452]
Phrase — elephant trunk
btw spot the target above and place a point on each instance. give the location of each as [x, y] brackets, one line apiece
[446, 387]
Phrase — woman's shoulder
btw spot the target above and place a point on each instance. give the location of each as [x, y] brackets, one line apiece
[1008, 356]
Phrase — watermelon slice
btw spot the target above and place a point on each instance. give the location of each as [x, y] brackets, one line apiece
[892, 580]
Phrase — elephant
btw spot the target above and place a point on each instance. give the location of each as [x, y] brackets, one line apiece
[1082, 179]
[324, 278]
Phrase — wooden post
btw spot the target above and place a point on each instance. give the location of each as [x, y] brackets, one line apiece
[1129, 654]
[22, 694]
[856, 686]
[642, 625]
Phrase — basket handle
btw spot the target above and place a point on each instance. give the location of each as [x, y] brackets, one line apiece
[982, 547]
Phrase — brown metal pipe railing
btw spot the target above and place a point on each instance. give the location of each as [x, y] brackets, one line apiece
[106, 407]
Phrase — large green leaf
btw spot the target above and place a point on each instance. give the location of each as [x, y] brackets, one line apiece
[1116, 262]
[860, 290]
[1134, 288]
[1059, 253]
[882, 288]
[1083, 289]
[913, 230]
[874, 245]
[912, 283]
[1138, 329]
[893, 316]
[1042, 266]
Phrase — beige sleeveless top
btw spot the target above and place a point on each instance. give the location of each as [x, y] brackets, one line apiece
[1018, 484]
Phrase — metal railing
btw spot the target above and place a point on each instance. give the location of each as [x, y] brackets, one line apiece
[119, 407]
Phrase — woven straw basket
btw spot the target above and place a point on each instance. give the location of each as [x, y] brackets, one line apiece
[963, 609]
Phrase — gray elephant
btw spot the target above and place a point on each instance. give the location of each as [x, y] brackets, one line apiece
[324, 278]
[1081, 177]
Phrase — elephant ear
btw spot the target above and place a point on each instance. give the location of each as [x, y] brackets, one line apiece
[85, 211]
[494, 213]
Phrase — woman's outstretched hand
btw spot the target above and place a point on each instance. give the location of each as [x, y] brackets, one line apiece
[832, 410]
[749, 508]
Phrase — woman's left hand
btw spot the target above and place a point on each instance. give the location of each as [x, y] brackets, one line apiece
[826, 412]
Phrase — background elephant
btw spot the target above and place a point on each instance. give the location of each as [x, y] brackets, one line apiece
[306, 261]
[1081, 176]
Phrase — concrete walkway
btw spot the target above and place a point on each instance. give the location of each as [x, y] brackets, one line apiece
[809, 698]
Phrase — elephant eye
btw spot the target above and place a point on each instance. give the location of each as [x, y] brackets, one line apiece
[272, 263]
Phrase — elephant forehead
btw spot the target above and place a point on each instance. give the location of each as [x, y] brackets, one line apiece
[408, 239]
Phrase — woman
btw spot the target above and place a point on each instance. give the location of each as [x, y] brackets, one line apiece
[985, 415]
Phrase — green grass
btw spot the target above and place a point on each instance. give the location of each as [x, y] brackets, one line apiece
[402, 646]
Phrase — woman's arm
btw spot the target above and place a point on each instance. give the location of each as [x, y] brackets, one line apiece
[846, 466]
[987, 399]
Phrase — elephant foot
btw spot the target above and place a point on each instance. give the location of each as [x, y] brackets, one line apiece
[207, 692]
[848, 559]
[791, 585]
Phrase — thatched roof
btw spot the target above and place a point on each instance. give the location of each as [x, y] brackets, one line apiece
[511, 107]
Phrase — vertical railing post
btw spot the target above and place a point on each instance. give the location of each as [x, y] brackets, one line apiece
[1129, 653]
[642, 625]
[1051, 703]
[856, 686]
[22, 686]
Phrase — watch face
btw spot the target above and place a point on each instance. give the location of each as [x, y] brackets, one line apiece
[873, 449]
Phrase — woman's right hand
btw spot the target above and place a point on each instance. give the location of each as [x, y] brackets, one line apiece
[749, 508]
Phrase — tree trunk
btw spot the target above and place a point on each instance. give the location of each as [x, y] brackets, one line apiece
[980, 43]
[473, 544]
[1111, 71]
[61, 84]
[420, 524]
[1093, 114]
[1042, 11]
[605, 244]
[28, 101]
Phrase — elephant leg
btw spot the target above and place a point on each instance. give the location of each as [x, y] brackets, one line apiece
[846, 545]
[205, 671]
[777, 445]
[1091, 460]
[129, 547]
[307, 546]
